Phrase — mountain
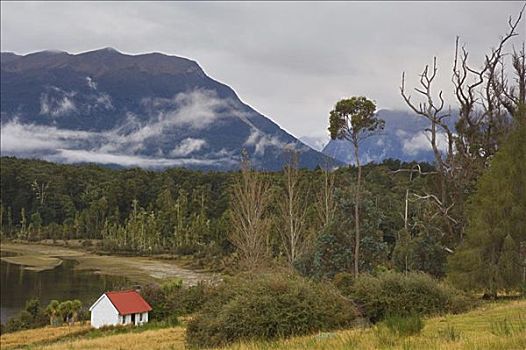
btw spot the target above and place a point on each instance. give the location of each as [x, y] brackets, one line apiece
[149, 110]
[403, 138]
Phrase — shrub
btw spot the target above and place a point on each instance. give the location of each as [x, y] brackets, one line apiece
[172, 299]
[31, 317]
[404, 325]
[343, 280]
[268, 306]
[392, 293]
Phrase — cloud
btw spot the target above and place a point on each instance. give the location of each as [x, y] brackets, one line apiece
[196, 109]
[23, 138]
[103, 100]
[261, 141]
[83, 156]
[127, 143]
[188, 146]
[60, 145]
[57, 102]
[420, 142]
[91, 83]
[315, 142]
[292, 61]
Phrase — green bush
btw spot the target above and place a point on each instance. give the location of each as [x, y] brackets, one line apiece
[32, 316]
[268, 306]
[392, 293]
[172, 299]
[404, 325]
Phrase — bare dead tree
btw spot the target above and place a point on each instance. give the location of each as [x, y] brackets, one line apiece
[433, 110]
[486, 101]
[250, 200]
[293, 210]
[40, 190]
[414, 169]
[325, 204]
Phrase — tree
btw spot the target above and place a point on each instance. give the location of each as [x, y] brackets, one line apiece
[76, 306]
[488, 259]
[354, 120]
[65, 310]
[325, 204]
[52, 312]
[293, 210]
[487, 106]
[250, 200]
[36, 224]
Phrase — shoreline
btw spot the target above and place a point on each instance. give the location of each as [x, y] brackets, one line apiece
[40, 257]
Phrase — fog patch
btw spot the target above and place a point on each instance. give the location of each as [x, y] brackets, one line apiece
[421, 142]
[188, 146]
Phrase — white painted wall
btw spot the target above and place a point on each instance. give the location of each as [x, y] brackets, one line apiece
[103, 313]
[139, 320]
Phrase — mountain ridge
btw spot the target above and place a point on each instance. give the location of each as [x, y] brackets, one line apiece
[154, 108]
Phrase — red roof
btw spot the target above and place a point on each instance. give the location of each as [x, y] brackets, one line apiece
[128, 302]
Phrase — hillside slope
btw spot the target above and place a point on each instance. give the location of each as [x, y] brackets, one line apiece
[149, 110]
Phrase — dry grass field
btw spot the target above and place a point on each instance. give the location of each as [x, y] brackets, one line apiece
[493, 326]
[19, 339]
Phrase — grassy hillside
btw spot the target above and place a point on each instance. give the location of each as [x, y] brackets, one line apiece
[492, 326]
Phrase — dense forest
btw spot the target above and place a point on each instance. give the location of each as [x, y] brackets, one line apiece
[189, 212]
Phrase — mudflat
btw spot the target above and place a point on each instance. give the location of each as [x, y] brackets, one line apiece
[41, 257]
[34, 262]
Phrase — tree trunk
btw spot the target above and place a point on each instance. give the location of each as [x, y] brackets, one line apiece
[357, 212]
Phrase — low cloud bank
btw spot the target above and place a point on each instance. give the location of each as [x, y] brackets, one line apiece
[131, 142]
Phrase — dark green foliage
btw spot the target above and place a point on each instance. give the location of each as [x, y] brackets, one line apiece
[267, 306]
[490, 257]
[343, 281]
[392, 293]
[332, 253]
[178, 211]
[422, 252]
[404, 325]
[33, 316]
[352, 117]
[171, 299]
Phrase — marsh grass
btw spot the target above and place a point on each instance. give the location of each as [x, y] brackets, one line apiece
[450, 333]
[404, 325]
[508, 327]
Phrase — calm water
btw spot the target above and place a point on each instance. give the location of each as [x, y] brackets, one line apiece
[18, 285]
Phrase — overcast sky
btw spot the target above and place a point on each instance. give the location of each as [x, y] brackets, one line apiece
[290, 61]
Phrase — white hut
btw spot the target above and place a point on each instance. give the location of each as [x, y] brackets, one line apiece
[119, 308]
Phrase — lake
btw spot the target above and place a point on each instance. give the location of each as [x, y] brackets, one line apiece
[63, 282]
